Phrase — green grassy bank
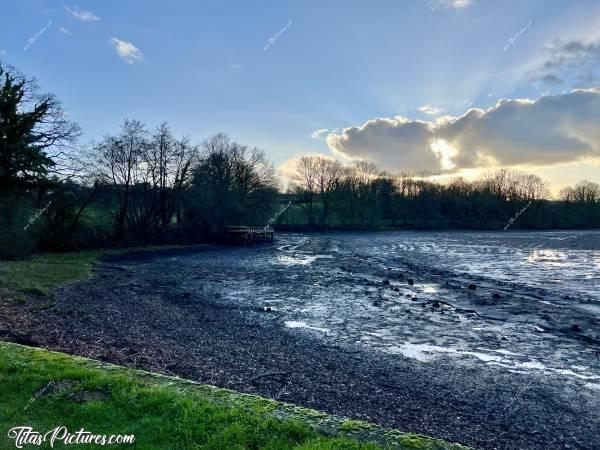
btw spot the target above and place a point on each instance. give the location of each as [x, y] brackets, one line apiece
[39, 273]
[44, 390]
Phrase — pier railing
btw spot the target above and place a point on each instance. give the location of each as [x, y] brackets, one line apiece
[249, 235]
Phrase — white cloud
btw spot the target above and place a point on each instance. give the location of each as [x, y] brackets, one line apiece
[431, 110]
[81, 14]
[3, 52]
[127, 51]
[64, 30]
[447, 4]
[319, 134]
[546, 131]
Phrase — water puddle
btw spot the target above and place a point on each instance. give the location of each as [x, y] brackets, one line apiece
[304, 325]
[298, 260]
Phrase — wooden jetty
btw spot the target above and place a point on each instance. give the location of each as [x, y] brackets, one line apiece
[249, 235]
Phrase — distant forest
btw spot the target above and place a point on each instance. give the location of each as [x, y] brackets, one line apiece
[326, 194]
[147, 186]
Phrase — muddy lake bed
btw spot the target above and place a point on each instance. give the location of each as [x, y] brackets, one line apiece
[489, 339]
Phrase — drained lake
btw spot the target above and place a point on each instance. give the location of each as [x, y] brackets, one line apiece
[491, 339]
[526, 301]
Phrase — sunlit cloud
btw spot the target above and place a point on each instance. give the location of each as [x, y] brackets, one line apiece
[547, 131]
[64, 30]
[431, 110]
[81, 14]
[444, 153]
[320, 134]
[127, 51]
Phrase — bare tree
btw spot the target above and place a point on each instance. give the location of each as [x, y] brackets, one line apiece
[117, 162]
[304, 181]
[328, 173]
[583, 192]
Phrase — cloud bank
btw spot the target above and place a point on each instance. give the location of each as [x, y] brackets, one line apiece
[547, 131]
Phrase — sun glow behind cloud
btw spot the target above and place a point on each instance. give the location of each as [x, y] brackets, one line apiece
[445, 153]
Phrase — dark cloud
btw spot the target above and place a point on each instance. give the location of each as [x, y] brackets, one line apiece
[553, 80]
[565, 59]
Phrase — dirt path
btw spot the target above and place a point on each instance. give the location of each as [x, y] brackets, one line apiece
[319, 322]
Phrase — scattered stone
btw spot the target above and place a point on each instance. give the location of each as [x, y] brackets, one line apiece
[411, 281]
[436, 304]
[472, 287]
[54, 387]
[377, 303]
[87, 396]
[495, 295]
[217, 295]
[576, 328]
[187, 295]
[386, 282]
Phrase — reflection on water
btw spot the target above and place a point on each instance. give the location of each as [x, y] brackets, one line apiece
[300, 324]
[552, 257]
[531, 259]
[299, 259]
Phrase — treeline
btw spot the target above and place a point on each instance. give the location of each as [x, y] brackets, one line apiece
[139, 186]
[330, 195]
[147, 186]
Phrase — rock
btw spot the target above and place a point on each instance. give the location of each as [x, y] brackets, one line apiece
[377, 303]
[217, 295]
[54, 387]
[436, 304]
[472, 287]
[386, 282]
[268, 309]
[87, 396]
[495, 295]
[186, 295]
[576, 328]
[411, 281]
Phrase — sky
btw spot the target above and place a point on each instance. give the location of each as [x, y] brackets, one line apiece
[447, 87]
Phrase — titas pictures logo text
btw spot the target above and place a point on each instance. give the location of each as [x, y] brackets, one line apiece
[25, 435]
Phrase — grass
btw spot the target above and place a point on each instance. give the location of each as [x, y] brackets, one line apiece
[40, 273]
[162, 412]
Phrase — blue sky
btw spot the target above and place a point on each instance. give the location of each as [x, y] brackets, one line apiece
[330, 65]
